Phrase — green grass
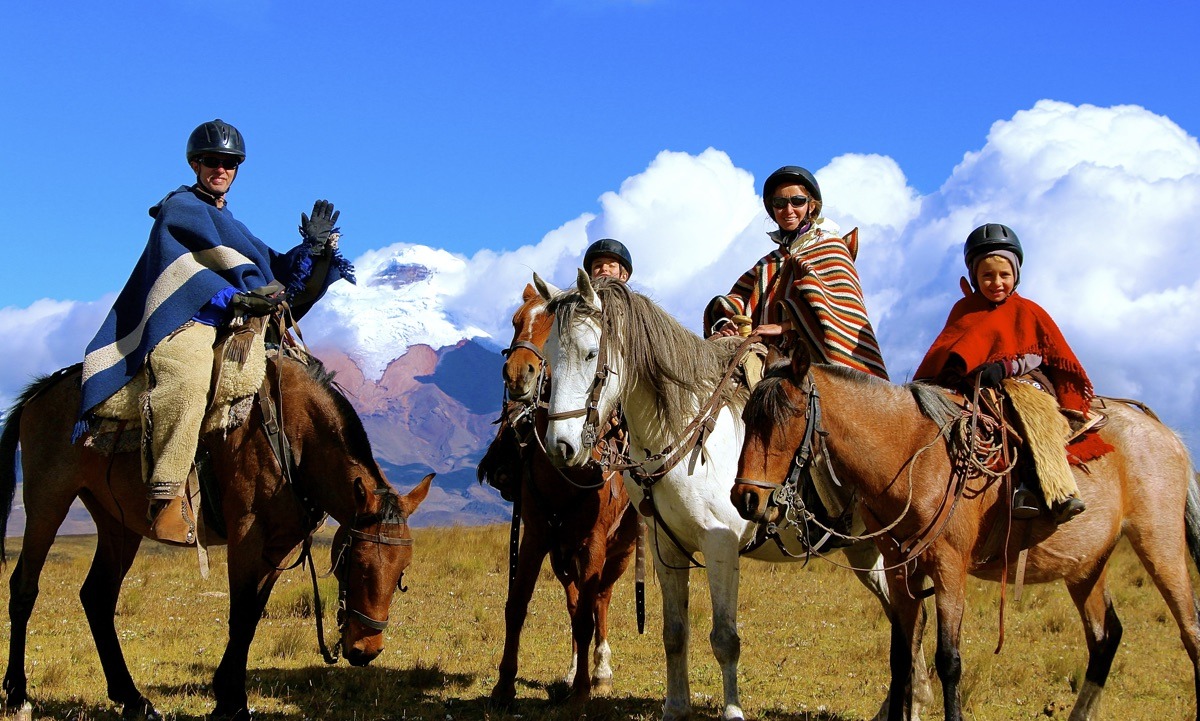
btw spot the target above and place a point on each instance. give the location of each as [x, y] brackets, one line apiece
[814, 645]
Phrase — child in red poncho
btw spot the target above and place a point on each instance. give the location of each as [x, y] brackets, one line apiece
[993, 334]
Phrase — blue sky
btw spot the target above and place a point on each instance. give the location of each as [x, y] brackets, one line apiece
[468, 125]
[491, 139]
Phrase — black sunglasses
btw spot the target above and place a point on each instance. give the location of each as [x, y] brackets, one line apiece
[797, 201]
[211, 161]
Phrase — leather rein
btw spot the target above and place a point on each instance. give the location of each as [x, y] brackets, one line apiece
[391, 515]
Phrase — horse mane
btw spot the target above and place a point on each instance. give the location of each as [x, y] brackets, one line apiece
[358, 443]
[770, 404]
[934, 403]
[658, 352]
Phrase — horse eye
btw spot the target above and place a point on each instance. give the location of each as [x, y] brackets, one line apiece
[591, 355]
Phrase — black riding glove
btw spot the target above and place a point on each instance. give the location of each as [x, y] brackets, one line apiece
[991, 374]
[260, 301]
[316, 229]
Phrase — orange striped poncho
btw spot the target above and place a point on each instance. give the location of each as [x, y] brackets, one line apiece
[814, 285]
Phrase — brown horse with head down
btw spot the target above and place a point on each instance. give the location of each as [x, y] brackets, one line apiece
[934, 521]
[266, 517]
[580, 517]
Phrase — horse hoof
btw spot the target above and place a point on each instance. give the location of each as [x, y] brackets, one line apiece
[140, 710]
[25, 714]
[502, 699]
[602, 686]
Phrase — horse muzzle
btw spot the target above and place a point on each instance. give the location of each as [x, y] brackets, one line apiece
[753, 501]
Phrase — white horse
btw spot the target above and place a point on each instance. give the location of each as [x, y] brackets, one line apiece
[611, 347]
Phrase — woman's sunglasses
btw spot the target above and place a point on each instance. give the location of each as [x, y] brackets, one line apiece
[797, 201]
[211, 161]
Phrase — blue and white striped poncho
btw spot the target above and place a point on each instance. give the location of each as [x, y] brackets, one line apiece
[194, 251]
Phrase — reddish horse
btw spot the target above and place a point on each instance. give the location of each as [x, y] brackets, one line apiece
[266, 517]
[934, 520]
[581, 518]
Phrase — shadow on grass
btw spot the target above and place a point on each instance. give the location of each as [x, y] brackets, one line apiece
[423, 693]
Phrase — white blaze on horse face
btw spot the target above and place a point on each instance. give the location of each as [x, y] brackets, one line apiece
[573, 355]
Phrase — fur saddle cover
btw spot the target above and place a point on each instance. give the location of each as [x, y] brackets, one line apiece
[239, 366]
[1046, 432]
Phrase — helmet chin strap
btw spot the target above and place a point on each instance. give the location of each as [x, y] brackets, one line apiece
[217, 199]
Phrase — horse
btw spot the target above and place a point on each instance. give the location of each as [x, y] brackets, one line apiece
[266, 517]
[580, 517]
[934, 521]
[610, 346]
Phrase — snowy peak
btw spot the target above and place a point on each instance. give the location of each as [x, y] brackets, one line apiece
[399, 302]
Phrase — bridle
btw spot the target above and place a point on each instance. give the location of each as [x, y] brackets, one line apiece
[591, 410]
[390, 516]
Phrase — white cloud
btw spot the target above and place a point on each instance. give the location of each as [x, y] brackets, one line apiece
[1105, 200]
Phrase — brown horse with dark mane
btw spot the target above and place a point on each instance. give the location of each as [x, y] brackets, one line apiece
[581, 518]
[267, 520]
[935, 520]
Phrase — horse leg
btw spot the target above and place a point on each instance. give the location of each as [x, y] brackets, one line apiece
[251, 578]
[672, 569]
[950, 582]
[1163, 552]
[530, 556]
[43, 517]
[907, 627]
[116, 547]
[1103, 631]
[721, 558]
[571, 591]
[867, 563]
[602, 672]
[583, 621]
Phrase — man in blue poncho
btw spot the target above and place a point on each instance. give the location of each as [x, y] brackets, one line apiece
[199, 268]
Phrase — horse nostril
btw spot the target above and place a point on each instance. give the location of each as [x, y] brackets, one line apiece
[530, 371]
[565, 449]
[750, 505]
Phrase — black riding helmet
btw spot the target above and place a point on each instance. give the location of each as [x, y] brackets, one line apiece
[218, 137]
[993, 238]
[989, 238]
[608, 246]
[786, 175]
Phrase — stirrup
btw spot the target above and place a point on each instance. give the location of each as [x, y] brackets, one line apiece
[1025, 504]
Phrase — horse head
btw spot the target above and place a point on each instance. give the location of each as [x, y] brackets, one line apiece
[776, 425]
[369, 556]
[523, 365]
[586, 380]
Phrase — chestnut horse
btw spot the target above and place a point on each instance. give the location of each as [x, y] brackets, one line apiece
[267, 519]
[941, 522]
[580, 517]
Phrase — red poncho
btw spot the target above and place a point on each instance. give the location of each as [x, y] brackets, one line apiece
[979, 332]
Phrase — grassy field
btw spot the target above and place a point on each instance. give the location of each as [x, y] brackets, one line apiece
[814, 645]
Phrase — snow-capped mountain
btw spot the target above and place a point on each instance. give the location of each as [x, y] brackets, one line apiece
[397, 302]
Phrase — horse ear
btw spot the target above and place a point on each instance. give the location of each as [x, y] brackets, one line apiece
[584, 283]
[544, 289]
[800, 360]
[530, 293]
[414, 497]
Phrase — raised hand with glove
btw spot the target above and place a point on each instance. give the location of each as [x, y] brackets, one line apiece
[320, 231]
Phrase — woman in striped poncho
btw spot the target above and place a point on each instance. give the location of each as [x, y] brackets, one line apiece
[807, 289]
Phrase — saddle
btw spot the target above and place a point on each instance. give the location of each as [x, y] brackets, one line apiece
[239, 369]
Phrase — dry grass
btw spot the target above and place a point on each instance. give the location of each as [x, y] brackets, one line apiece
[814, 645]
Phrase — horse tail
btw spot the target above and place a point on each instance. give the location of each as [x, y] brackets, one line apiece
[9, 437]
[1191, 516]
